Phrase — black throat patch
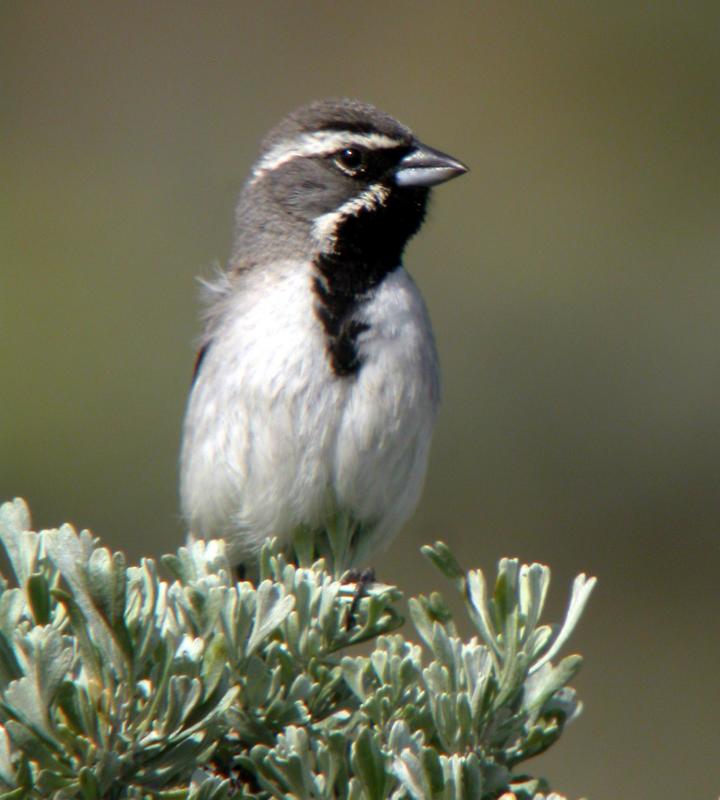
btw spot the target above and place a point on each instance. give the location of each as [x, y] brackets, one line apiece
[368, 246]
[341, 288]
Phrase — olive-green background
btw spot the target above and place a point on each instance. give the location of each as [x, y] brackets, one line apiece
[573, 278]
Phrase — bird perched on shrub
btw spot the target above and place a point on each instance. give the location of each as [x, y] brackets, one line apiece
[316, 386]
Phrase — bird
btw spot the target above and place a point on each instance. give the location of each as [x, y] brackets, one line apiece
[316, 385]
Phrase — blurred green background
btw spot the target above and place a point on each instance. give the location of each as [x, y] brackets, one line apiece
[572, 277]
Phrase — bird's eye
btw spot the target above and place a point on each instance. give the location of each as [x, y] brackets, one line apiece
[351, 160]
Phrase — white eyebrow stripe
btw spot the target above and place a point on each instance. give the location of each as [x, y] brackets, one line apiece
[324, 228]
[320, 143]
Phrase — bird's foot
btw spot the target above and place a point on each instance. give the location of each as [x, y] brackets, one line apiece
[362, 578]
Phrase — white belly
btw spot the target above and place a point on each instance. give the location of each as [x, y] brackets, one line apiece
[273, 438]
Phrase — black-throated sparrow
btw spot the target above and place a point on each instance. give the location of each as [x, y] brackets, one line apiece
[316, 387]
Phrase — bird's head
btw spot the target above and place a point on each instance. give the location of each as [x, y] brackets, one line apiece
[341, 178]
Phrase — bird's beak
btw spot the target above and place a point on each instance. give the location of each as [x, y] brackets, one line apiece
[425, 166]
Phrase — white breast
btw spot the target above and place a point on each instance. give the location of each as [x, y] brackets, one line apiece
[384, 436]
[273, 438]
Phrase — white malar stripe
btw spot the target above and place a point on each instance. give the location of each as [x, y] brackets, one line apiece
[320, 143]
[324, 229]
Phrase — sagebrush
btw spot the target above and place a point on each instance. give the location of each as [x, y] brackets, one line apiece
[118, 683]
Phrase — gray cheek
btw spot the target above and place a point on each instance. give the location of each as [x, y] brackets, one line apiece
[307, 188]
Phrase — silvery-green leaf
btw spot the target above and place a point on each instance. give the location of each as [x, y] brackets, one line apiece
[92, 656]
[538, 641]
[106, 583]
[440, 610]
[581, 591]
[379, 660]
[433, 771]
[214, 602]
[12, 609]
[436, 679]
[173, 760]
[23, 698]
[464, 716]
[534, 583]
[258, 678]
[408, 770]
[205, 787]
[20, 547]
[470, 778]
[477, 605]
[369, 765]
[495, 778]
[355, 790]
[442, 646]
[182, 695]
[180, 565]
[35, 744]
[190, 648]
[38, 593]
[89, 785]
[353, 670]
[300, 689]
[272, 609]
[7, 769]
[547, 680]
[421, 620]
[304, 545]
[401, 739]
[439, 554]
[71, 553]
[69, 701]
[328, 613]
[212, 711]
[332, 767]
[51, 662]
[477, 664]
[563, 704]
[10, 669]
[214, 663]
[511, 679]
[529, 788]
[294, 776]
[505, 595]
[303, 600]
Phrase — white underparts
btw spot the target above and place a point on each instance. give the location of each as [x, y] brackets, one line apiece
[321, 143]
[272, 435]
[324, 229]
